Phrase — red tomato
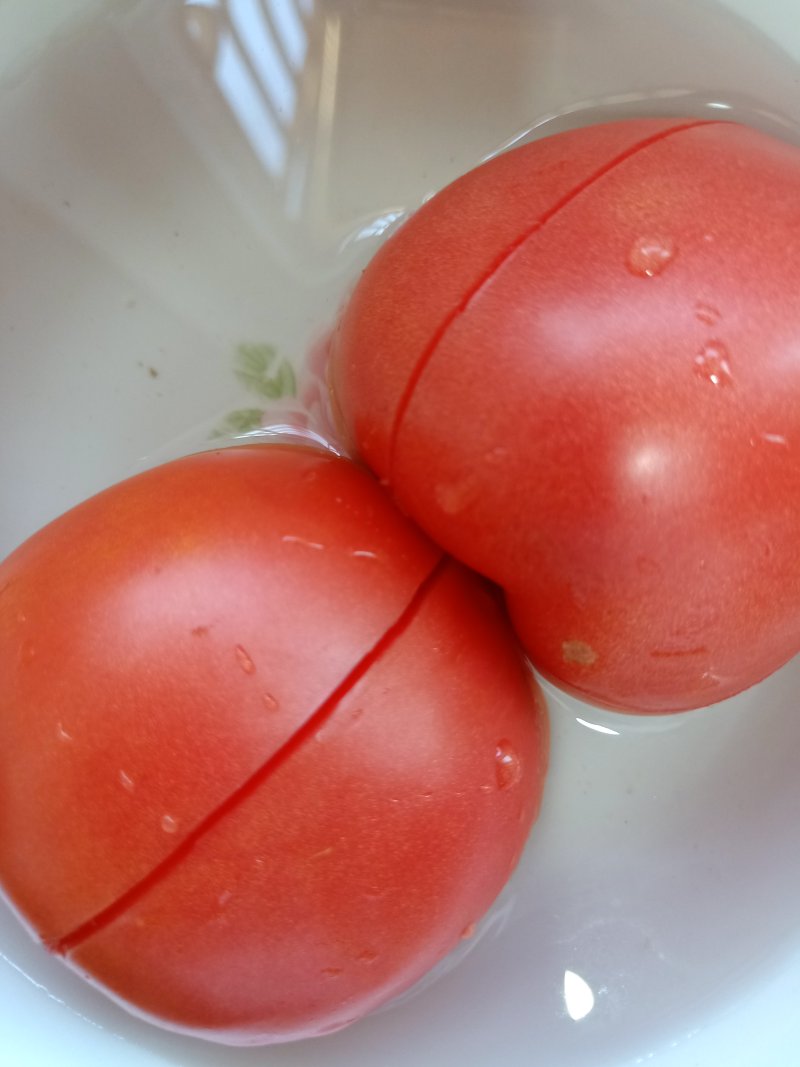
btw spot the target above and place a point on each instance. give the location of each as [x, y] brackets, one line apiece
[264, 754]
[577, 367]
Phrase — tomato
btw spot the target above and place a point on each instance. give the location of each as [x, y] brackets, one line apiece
[265, 754]
[577, 368]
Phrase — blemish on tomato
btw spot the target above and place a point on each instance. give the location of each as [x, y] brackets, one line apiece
[455, 497]
[578, 652]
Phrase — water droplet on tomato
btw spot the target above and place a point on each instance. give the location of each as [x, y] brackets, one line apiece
[363, 553]
[323, 853]
[368, 955]
[27, 652]
[468, 931]
[774, 439]
[269, 702]
[650, 256]
[224, 897]
[707, 313]
[331, 972]
[126, 781]
[713, 364]
[303, 542]
[168, 824]
[508, 766]
[62, 734]
[244, 660]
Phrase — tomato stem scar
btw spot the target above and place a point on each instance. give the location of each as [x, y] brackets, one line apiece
[507, 253]
[310, 727]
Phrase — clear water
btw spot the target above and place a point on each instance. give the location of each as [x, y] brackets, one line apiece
[178, 180]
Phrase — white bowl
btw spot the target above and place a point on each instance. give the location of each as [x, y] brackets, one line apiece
[177, 179]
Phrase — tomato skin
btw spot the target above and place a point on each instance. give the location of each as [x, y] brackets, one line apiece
[609, 424]
[363, 859]
[168, 642]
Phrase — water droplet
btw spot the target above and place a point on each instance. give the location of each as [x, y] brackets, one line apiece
[331, 972]
[126, 781]
[369, 955]
[244, 660]
[200, 631]
[27, 652]
[713, 364]
[707, 313]
[224, 897]
[363, 553]
[374, 892]
[578, 652]
[269, 702]
[774, 439]
[168, 824]
[468, 931]
[323, 853]
[486, 789]
[292, 539]
[22, 617]
[651, 256]
[508, 766]
[62, 734]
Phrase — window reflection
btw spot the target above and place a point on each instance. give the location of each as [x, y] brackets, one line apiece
[578, 996]
[259, 56]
